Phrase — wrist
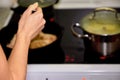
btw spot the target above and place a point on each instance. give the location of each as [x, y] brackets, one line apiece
[22, 37]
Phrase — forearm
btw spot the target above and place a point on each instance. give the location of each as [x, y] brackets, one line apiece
[18, 58]
[4, 69]
[29, 26]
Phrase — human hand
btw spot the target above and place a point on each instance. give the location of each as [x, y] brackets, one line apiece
[31, 24]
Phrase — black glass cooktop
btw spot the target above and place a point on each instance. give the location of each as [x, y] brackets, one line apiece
[78, 48]
[68, 48]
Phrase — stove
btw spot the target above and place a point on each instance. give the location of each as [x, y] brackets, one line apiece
[74, 59]
[79, 50]
[68, 48]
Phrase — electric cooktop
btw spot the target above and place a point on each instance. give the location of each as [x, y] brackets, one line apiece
[68, 49]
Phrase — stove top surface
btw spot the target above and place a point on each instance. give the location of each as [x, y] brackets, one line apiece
[75, 53]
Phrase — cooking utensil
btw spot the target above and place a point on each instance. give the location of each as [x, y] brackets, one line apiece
[42, 3]
[102, 27]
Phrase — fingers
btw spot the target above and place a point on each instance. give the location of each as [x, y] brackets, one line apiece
[28, 11]
[43, 24]
[32, 23]
[31, 8]
[38, 14]
[40, 27]
[38, 9]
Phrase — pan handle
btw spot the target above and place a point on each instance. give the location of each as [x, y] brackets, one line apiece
[77, 25]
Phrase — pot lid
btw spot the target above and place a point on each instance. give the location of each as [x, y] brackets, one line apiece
[103, 21]
[42, 3]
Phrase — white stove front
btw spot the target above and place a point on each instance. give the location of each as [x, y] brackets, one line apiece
[73, 72]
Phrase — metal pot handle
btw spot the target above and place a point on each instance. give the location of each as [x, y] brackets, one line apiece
[77, 25]
[104, 9]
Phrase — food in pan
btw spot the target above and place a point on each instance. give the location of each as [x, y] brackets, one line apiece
[41, 40]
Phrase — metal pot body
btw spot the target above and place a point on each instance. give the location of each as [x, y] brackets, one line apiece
[102, 27]
[104, 44]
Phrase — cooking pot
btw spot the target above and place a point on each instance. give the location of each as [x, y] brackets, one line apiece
[42, 3]
[102, 28]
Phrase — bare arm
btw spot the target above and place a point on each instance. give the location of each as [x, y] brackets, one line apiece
[4, 69]
[29, 26]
